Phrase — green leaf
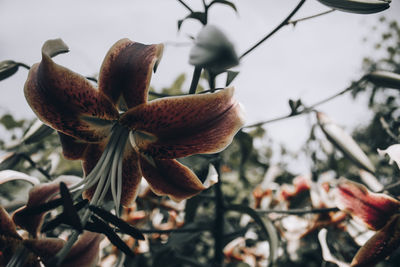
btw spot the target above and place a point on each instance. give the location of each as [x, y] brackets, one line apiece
[200, 16]
[267, 228]
[230, 77]
[224, 2]
[36, 132]
[8, 68]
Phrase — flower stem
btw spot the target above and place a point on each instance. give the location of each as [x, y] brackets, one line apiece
[283, 23]
[195, 80]
[219, 219]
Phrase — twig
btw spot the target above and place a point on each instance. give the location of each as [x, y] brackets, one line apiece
[185, 5]
[294, 22]
[219, 219]
[386, 127]
[297, 211]
[176, 230]
[305, 110]
[283, 23]
[35, 165]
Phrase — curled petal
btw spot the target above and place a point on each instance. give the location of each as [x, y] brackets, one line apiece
[181, 126]
[10, 175]
[394, 153]
[67, 101]
[71, 147]
[126, 71]
[38, 195]
[380, 245]
[84, 252]
[372, 208]
[7, 226]
[169, 177]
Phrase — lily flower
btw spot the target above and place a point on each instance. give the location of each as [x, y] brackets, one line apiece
[29, 252]
[378, 212]
[373, 209]
[118, 134]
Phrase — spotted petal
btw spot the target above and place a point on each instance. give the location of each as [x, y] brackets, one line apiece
[84, 252]
[379, 246]
[72, 148]
[169, 177]
[372, 208]
[181, 126]
[126, 72]
[67, 101]
[7, 226]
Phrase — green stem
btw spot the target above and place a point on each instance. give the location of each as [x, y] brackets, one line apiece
[305, 110]
[219, 219]
[195, 80]
[294, 22]
[185, 5]
[283, 23]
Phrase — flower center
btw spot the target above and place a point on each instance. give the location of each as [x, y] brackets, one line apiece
[108, 170]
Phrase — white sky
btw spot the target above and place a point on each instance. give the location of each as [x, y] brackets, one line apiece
[313, 60]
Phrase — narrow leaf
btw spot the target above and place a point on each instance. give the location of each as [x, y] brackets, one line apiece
[36, 132]
[69, 210]
[61, 218]
[122, 225]
[224, 2]
[230, 77]
[7, 69]
[101, 227]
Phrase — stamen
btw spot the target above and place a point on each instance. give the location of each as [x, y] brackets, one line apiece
[115, 172]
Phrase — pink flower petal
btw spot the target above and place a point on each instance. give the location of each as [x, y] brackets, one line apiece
[372, 208]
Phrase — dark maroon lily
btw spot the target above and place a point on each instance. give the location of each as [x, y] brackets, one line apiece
[118, 134]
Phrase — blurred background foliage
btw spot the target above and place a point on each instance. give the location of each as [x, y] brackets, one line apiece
[243, 167]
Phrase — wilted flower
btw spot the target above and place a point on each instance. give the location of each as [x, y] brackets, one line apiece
[94, 128]
[358, 6]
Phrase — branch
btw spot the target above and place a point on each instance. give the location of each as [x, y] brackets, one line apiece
[283, 23]
[185, 5]
[294, 22]
[35, 165]
[296, 211]
[306, 109]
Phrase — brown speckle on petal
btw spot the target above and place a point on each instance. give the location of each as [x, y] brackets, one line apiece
[169, 177]
[185, 125]
[126, 71]
[60, 97]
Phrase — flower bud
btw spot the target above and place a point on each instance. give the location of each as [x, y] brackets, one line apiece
[213, 50]
[344, 142]
[358, 6]
[384, 79]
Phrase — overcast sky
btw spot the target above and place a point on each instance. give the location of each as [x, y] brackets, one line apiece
[315, 59]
